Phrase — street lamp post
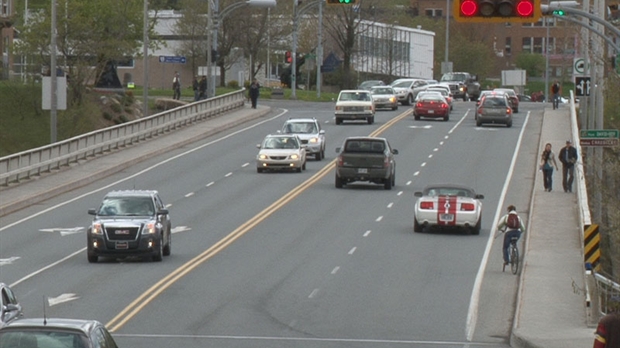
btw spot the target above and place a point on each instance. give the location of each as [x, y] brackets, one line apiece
[296, 13]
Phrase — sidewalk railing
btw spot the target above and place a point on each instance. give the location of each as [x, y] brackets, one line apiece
[26, 164]
[605, 293]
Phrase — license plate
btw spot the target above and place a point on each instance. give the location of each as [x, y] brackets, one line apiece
[122, 245]
[431, 111]
[446, 217]
[362, 170]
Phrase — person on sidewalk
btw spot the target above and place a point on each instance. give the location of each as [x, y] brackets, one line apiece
[547, 163]
[512, 226]
[195, 87]
[568, 157]
[176, 86]
[202, 88]
[607, 333]
[254, 92]
[555, 92]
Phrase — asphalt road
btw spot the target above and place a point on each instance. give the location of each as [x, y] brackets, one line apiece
[285, 259]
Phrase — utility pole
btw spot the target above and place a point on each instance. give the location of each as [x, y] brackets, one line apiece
[53, 77]
[145, 53]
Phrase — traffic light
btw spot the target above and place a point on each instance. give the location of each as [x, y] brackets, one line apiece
[342, 2]
[287, 57]
[497, 11]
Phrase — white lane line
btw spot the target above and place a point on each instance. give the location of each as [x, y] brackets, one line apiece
[441, 143]
[168, 206]
[472, 313]
[416, 173]
[437, 149]
[392, 204]
[409, 182]
[430, 156]
[423, 164]
[229, 174]
[335, 270]
[379, 218]
[352, 250]
[245, 165]
[210, 184]
[313, 293]
[367, 233]
[400, 193]
[189, 194]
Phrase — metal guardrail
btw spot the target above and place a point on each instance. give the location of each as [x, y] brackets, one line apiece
[27, 164]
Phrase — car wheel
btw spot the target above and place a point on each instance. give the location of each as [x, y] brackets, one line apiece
[303, 166]
[168, 246]
[394, 108]
[322, 153]
[478, 122]
[259, 170]
[338, 182]
[317, 156]
[466, 97]
[478, 227]
[416, 226]
[298, 170]
[92, 257]
[416, 117]
[516, 110]
[338, 121]
[393, 179]
[409, 100]
[158, 254]
[509, 124]
[446, 118]
[388, 183]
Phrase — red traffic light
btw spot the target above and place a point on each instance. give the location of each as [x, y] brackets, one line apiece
[525, 8]
[287, 57]
[469, 8]
[497, 11]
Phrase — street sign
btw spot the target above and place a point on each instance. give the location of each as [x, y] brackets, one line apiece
[579, 65]
[173, 59]
[599, 142]
[599, 133]
[582, 86]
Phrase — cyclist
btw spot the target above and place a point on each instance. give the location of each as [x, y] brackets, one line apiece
[513, 226]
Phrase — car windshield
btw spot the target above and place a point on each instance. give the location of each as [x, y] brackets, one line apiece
[300, 128]
[41, 339]
[126, 206]
[280, 143]
[403, 84]
[453, 77]
[510, 92]
[442, 91]
[351, 96]
[449, 191]
[431, 97]
[365, 146]
[382, 90]
[494, 102]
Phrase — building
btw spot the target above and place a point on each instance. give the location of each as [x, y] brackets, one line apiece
[511, 39]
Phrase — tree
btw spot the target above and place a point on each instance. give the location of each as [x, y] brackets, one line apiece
[342, 23]
[192, 27]
[532, 63]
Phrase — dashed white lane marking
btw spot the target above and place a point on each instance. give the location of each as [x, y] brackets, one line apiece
[436, 149]
[189, 194]
[210, 184]
[367, 233]
[390, 205]
[245, 165]
[423, 164]
[416, 173]
[352, 250]
[313, 293]
[430, 156]
[401, 192]
[229, 174]
[379, 218]
[335, 269]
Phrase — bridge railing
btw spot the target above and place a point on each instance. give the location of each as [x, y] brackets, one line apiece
[27, 164]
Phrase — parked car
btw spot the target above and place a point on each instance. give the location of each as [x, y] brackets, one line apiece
[494, 108]
[367, 85]
[512, 98]
[433, 105]
[10, 309]
[281, 152]
[353, 105]
[407, 89]
[130, 223]
[384, 97]
[448, 206]
[55, 333]
[366, 159]
[310, 133]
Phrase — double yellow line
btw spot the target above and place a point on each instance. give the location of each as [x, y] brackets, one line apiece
[143, 300]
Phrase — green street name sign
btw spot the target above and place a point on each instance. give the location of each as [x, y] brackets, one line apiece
[599, 133]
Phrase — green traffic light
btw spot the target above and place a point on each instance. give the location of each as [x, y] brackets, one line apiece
[559, 12]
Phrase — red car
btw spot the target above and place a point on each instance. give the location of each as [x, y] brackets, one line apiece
[431, 105]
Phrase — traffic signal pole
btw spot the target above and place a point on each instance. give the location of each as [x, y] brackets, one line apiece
[297, 12]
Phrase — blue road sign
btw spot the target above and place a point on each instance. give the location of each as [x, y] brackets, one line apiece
[173, 59]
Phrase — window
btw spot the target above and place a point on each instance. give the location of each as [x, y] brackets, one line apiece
[434, 12]
[5, 11]
[508, 47]
[538, 42]
[527, 45]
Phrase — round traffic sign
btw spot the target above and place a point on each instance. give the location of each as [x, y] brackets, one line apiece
[580, 66]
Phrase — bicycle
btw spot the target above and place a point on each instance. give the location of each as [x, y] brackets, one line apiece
[513, 254]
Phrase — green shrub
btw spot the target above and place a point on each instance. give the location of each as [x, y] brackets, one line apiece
[116, 107]
[233, 84]
[107, 116]
[123, 118]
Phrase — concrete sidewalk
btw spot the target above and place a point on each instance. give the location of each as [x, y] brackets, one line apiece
[551, 309]
[68, 178]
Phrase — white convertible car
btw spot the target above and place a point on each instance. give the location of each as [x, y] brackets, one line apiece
[448, 206]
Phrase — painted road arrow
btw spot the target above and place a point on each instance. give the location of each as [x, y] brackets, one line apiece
[8, 261]
[52, 301]
[428, 126]
[63, 231]
[180, 229]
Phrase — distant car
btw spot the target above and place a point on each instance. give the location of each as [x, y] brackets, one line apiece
[10, 309]
[384, 97]
[310, 133]
[55, 333]
[281, 152]
[524, 98]
[407, 89]
[494, 108]
[130, 223]
[512, 98]
[448, 206]
[353, 105]
[485, 93]
[370, 83]
[445, 92]
[432, 105]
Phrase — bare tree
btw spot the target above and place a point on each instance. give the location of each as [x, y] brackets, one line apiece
[192, 28]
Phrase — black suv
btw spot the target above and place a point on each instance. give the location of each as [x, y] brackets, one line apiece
[130, 223]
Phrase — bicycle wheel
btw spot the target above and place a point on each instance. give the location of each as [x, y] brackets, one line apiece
[514, 259]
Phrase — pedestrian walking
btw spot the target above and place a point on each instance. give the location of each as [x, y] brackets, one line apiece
[607, 334]
[176, 86]
[195, 88]
[202, 88]
[547, 163]
[568, 157]
[254, 92]
[555, 91]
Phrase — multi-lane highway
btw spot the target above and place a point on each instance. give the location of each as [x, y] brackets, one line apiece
[286, 259]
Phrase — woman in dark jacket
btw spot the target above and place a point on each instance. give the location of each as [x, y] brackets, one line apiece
[254, 92]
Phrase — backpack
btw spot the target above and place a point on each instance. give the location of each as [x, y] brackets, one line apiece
[513, 222]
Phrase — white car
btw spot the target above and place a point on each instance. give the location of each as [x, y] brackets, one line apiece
[281, 152]
[407, 89]
[353, 105]
[448, 206]
[384, 97]
[310, 133]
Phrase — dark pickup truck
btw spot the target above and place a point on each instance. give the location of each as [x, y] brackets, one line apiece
[366, 159]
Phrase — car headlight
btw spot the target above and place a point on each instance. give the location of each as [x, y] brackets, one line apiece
[313, 140]
[392, 99]
[262, 156]
[96, 229]
[338, 108]
[294, 156]
[149, 228]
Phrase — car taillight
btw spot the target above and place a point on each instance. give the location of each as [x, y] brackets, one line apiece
[419, 105]
[426, 205]
[386, 162]
[444, 106]
[480, 110]
[339, 161]
[468, 206]
[508, 110]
